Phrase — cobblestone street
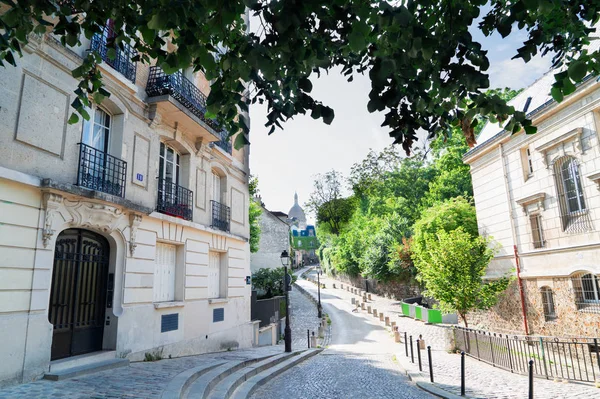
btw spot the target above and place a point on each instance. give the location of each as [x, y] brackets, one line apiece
[358, 363]
[482, 380]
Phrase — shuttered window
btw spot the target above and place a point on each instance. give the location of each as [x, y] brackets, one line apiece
[164, 272]
[214, 275]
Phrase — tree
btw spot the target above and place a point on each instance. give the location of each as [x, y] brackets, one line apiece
[326, 201]
[426, 69]
[254, 212]
[454, 272]
[269, 282]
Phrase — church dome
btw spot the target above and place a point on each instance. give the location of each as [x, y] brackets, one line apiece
[297, 212]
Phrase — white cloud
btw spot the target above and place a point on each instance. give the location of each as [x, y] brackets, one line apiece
[517, 74]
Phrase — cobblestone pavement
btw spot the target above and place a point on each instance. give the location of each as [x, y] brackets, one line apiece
[482, 379]
[303, 316]
[144, 380]
[357, 364]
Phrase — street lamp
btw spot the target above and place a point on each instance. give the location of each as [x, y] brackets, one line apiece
[319, 308]
[285, 258]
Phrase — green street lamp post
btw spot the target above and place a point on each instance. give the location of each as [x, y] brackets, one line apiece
[285, 258]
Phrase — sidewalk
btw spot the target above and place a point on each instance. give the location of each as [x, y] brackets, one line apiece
[482, 380]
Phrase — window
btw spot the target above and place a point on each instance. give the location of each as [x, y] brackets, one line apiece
[536, 230]
[217, 275]
[570, 195]
[165, 272]
[96, 130]
[529, 163]
[548, 303]
[587, 291]
[168, 169]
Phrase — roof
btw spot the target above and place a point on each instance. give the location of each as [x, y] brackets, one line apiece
[279, 213]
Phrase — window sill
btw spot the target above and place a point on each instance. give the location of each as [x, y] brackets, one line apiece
[218, 300]
[172, 304]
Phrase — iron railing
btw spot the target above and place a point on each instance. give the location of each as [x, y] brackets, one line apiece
[174, 200]
[575, 359]
[224, 143]
[182, 89]
[100, 171]
[221, 216]
[123, 61]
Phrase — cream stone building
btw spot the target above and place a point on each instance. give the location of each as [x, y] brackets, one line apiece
[538, 197]
[119, 236]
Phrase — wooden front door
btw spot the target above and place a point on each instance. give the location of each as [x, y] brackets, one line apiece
[78, 294]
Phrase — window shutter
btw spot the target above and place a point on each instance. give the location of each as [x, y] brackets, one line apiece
[164, 272]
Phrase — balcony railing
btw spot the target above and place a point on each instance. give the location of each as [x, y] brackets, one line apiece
[101, 42]
[174, 200]
[183, 90]
[100, 171]
[221, 216]
[224, 143]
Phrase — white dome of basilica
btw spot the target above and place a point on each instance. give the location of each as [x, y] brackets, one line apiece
[297, 212]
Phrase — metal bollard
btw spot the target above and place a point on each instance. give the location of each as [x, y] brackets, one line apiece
[419, 354]
[462, 373]
[405, 344]
[308, 337]
[531, 379]
[430, 363]
[412, 354]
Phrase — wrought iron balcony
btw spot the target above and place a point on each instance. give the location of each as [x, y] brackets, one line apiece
[101, 42]
[221, 216]
[183, 90]
[174, 200]
[100, 171]
[224, 143]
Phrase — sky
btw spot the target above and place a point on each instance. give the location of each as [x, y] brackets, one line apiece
[288, 160]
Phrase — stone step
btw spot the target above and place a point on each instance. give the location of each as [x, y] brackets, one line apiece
[225, 388]
[180, 383]
[247, 388]
[86, 369]
[201, 387]
[81, 360]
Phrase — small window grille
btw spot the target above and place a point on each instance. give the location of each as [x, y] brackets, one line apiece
[537, 231]
[529, 162]
[586, 288]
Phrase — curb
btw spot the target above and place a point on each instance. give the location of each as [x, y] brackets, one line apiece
[422, 380]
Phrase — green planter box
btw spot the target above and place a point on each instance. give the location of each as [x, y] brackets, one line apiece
[434, 316]
[418, 312]
[405, 309]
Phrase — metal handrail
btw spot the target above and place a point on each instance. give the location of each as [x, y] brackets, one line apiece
[101, 172]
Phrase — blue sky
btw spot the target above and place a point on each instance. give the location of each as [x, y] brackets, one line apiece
[288, 160]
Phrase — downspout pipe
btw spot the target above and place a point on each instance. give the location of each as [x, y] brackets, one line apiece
[515, 240]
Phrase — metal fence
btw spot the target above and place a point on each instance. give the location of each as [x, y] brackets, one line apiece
[174, 200]
[221, 216]
[122, 58]
[575, 359]
[99, 171]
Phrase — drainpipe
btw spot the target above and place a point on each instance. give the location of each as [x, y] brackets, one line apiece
[514, 235]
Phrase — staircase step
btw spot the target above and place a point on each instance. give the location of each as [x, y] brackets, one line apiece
[180, 383]
[81, 360]
[226, 387]
[201, 387]
[86, 369]
[247, 388]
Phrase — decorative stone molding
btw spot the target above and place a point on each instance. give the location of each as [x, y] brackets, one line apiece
[568, 143]
[532, 203]
[134, 222]
[52, 203]
[595, 177]
[100, 217]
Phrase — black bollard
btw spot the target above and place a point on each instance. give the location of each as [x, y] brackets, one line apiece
[419, 354]
[531, 379]
[462, 373]
[412, 355]
[406, 344]
[430, 364]
[308, 338]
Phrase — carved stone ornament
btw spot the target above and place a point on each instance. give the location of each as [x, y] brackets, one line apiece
[566, 144]
[134, 222]
[52, 202]
[595, 177]
[91, 215]
[535, 201]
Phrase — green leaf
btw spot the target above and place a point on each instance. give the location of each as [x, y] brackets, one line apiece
[556, 94]
[240, 141]
[111, 53]
[530, 129]
[577, 70]
[328, 115]
[305, 84]
[159, 20]
[73, 119]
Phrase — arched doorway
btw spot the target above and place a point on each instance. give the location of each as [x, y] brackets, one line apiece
[78, 295]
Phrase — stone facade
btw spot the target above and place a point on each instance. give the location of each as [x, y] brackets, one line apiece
[274, 238]
[391, 289]
[197, 261]
[538, 197]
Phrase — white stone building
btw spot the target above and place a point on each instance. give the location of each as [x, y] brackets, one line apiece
[538, 197]
[274, 238]
[126, 234]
